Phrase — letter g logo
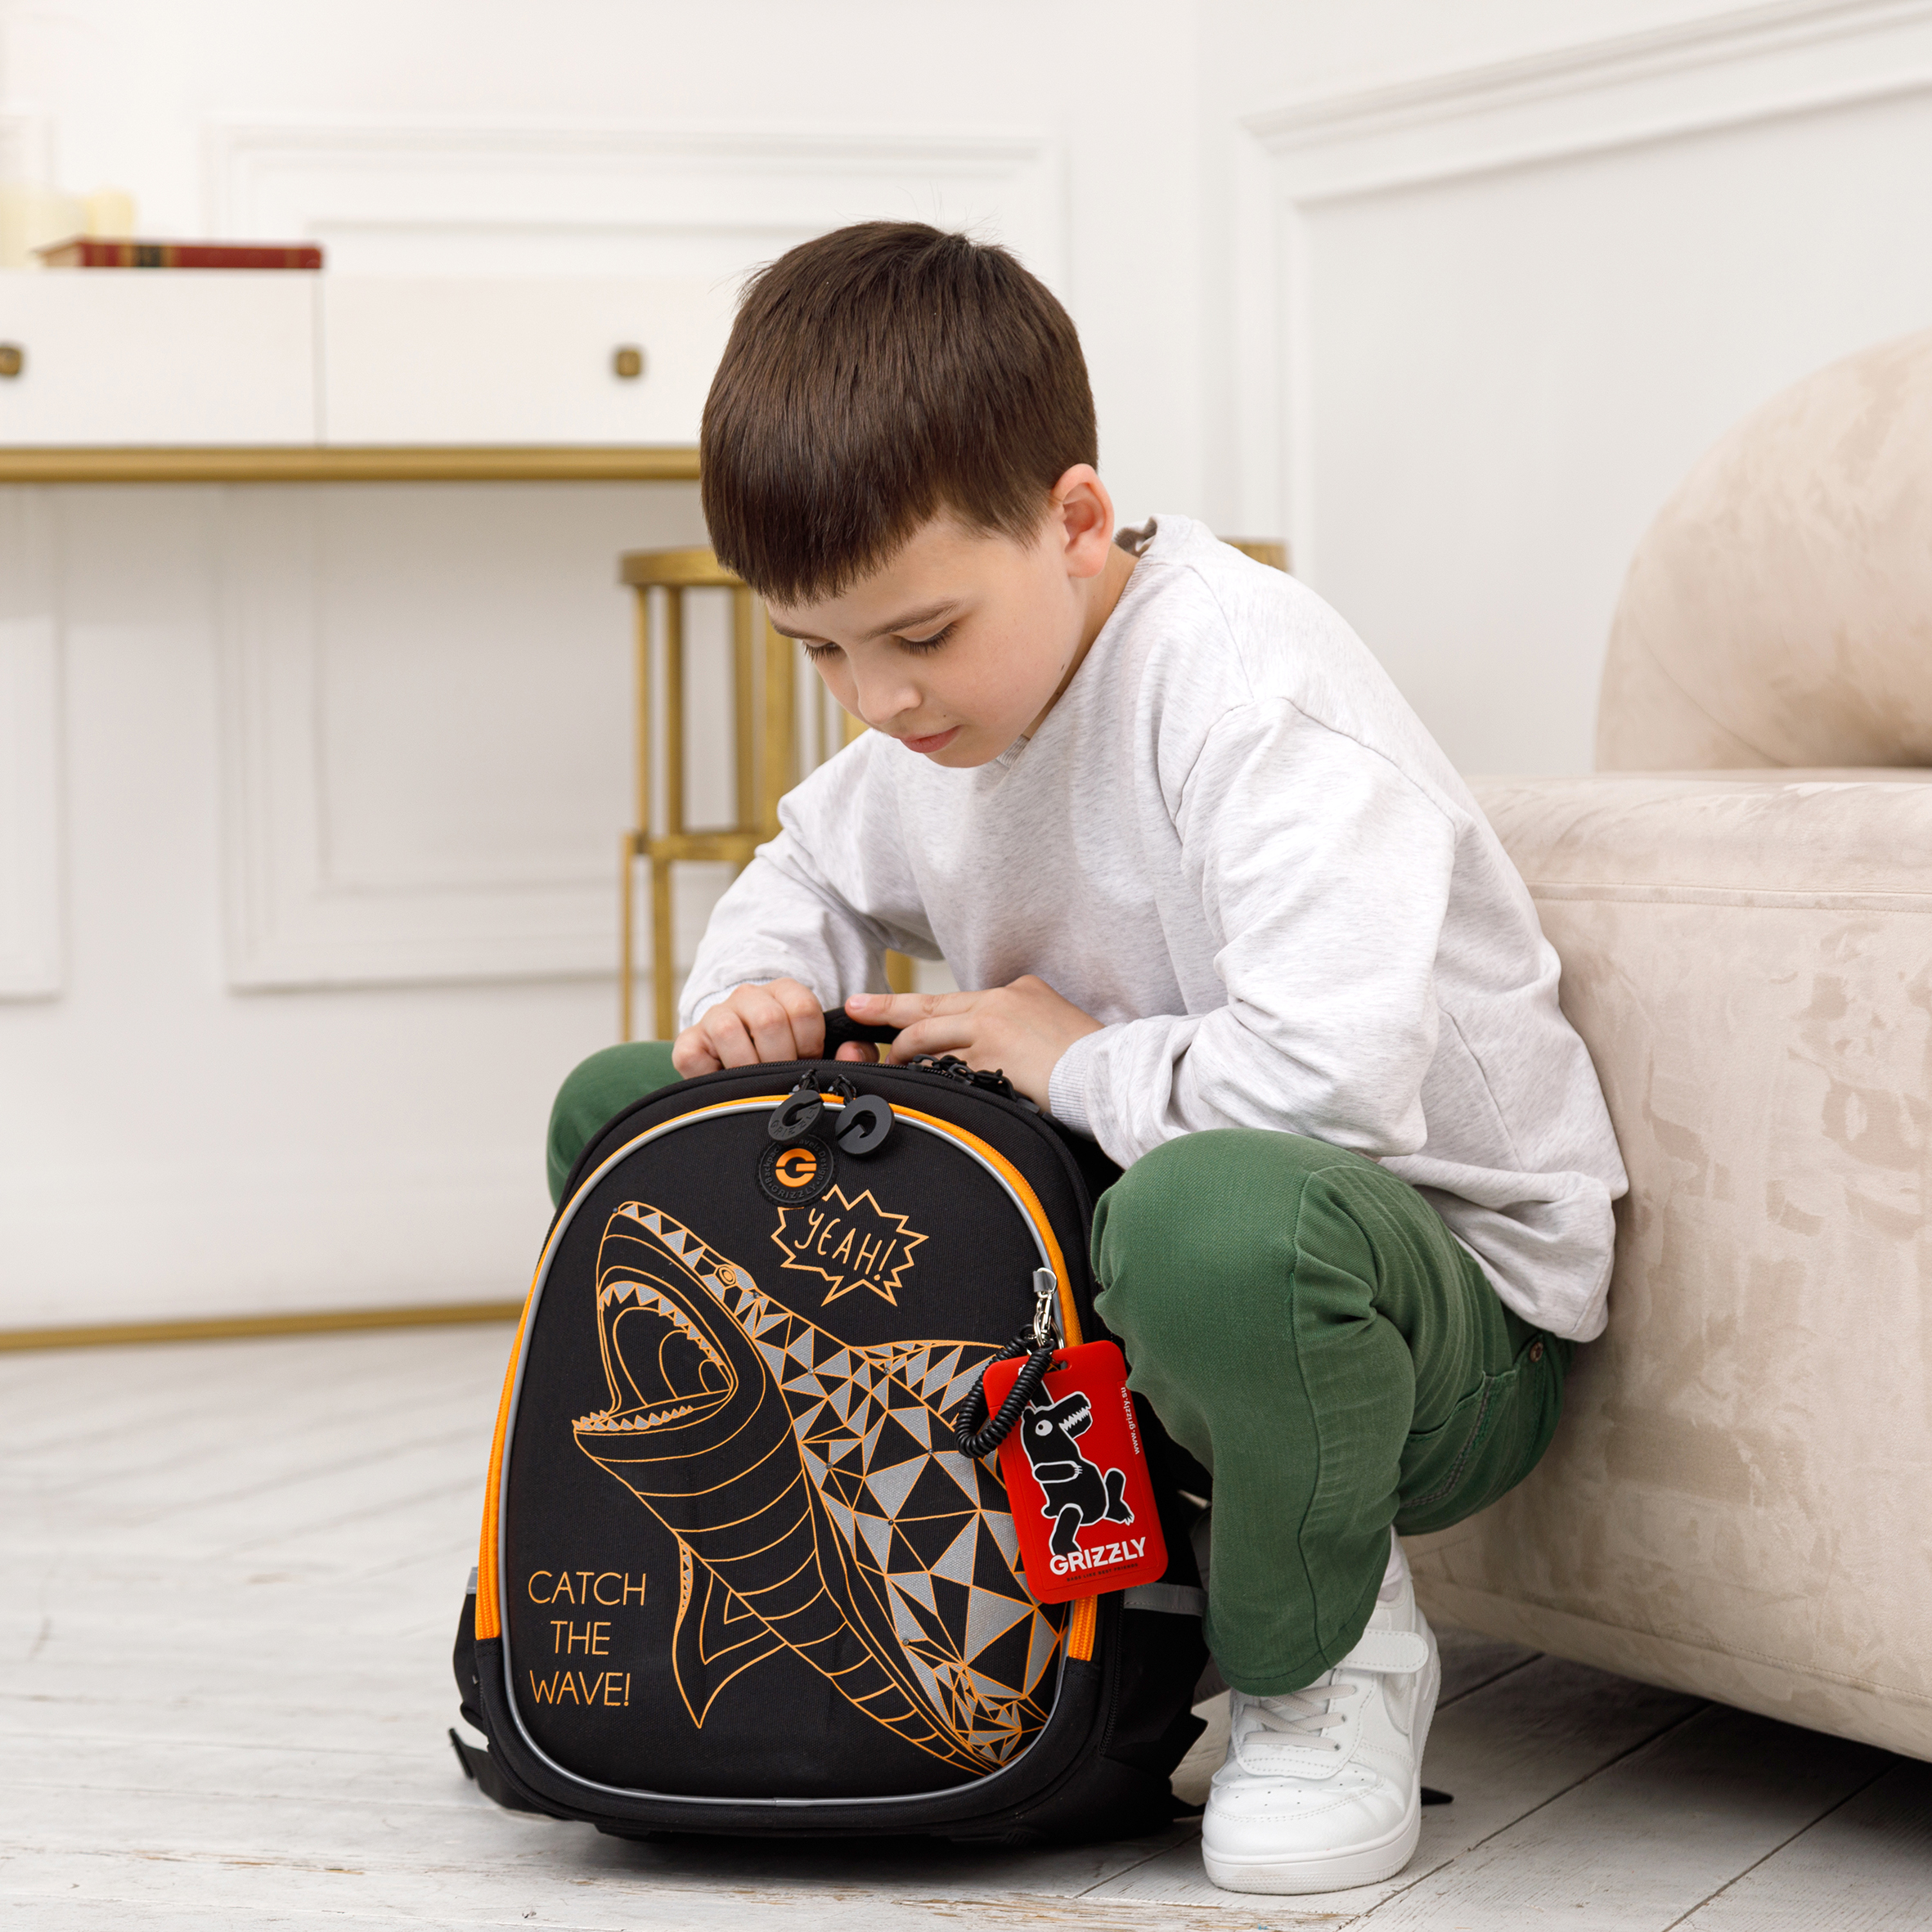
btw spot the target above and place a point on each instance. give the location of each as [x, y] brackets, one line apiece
[797, 1167]
[793, 1172]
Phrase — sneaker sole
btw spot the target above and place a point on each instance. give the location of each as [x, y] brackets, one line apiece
[1341, 1870]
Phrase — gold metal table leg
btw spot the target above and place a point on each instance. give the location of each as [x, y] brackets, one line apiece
[764, 698]
[627, 932]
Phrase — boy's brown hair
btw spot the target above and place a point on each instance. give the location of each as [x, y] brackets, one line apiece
[875, 377]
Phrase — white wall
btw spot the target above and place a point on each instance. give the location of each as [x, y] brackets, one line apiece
[1449, 293]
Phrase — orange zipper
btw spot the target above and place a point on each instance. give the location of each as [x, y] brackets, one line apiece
[489, 1614]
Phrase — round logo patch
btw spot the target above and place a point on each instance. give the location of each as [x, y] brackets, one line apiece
[795, 1170]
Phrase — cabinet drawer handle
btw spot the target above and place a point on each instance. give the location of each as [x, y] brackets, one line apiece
[627, 361]
[13, 358]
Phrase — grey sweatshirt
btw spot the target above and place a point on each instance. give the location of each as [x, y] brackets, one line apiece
[1233, 843]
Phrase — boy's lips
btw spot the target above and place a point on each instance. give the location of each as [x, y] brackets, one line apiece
[937, 743]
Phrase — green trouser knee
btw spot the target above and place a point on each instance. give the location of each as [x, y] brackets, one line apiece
[1305, 1327]
[604, 1085]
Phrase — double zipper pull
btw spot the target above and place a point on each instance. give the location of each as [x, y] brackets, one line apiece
[865, 1126]
[796, 1115]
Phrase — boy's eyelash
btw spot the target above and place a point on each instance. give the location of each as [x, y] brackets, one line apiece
[815, 651]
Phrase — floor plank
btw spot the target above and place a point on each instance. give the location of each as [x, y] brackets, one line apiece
[1638, 1847]
[1471, 1661]
[1865, 1868]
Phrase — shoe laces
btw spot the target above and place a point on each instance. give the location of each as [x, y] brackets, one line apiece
[1300, 1719]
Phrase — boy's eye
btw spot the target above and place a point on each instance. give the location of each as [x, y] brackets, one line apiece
[815, 651]
[927, 643]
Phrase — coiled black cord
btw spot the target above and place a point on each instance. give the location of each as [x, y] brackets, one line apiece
[974, 1434]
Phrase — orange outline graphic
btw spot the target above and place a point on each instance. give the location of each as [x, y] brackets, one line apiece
[819, 1219]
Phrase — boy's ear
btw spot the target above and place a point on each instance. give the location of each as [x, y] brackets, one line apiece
[1083, 511]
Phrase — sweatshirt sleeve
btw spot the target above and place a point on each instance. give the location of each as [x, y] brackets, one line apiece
[822, 902]
[1323, 875]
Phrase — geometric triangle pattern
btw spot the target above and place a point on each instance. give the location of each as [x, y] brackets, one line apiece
[872, 1425]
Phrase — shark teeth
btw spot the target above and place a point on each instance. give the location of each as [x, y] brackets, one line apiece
[611, 1424]
[659, 1304]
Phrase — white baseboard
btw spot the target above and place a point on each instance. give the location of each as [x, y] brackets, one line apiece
[81, 1245]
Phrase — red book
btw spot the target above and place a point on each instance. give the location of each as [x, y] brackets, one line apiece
[85, 251]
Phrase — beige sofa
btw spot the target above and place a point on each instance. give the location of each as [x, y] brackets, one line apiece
[1739, 1503]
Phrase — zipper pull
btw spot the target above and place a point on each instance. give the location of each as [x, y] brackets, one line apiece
[1046, 1291]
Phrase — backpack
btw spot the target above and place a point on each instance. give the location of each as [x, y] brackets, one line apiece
[735, 1575]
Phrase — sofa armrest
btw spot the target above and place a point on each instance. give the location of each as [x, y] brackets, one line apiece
[1748, 1450]
[1826, 831]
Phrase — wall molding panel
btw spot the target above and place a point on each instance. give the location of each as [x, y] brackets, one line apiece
[26, 144]
[32, 912]
[425, 728]
[1323, 154]
[1751, 63]
[436, 197]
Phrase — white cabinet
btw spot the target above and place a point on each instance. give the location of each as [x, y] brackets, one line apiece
[531, 362]
[122, 356]
[129, 358]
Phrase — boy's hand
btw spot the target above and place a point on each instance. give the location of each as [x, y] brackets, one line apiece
[1022, 1029]
[781, 1021]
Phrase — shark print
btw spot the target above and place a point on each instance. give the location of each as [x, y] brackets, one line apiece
[817, 1503]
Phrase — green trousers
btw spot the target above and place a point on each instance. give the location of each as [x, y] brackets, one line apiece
[1305, 1327]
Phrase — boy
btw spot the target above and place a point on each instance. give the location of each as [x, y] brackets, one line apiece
[1225, 907]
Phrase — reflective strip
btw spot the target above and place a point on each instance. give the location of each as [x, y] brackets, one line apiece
[1176, 1600]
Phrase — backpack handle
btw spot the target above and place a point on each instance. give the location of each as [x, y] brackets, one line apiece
[841, 1028]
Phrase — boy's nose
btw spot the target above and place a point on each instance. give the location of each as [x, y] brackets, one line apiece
[889, 710]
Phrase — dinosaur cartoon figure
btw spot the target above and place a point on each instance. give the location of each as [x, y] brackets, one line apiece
[817, 1501]
[1077, 1491]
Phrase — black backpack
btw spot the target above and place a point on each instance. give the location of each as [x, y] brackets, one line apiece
[735, 1575]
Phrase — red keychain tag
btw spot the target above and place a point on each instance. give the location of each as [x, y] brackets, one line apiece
[1075, 1475]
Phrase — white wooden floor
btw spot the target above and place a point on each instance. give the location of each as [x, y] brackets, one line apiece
[230, 1575]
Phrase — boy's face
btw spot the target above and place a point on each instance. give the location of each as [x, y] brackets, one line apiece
[961, 643]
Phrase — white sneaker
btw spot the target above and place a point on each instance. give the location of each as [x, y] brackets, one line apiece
[1322, 1789]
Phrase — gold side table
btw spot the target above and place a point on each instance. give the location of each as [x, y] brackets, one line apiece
[764, 694]
[1264, 549]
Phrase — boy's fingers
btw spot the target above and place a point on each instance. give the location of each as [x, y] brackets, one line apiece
[772, 1031]
[944, 1033]
[807, 1016]
[729, 1038]
[691, 1054]
[808, 1027]
[857, 1050]
[905, 1010]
